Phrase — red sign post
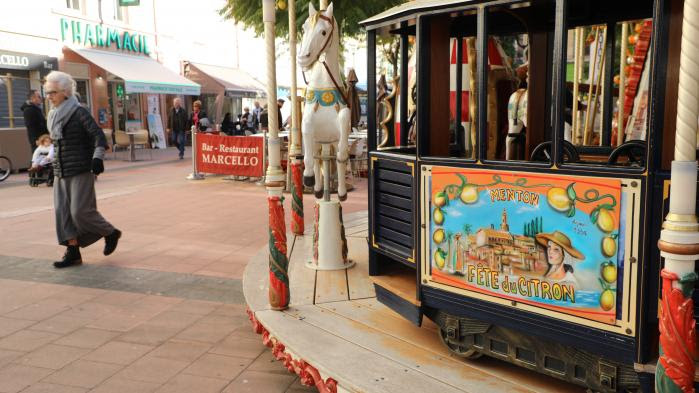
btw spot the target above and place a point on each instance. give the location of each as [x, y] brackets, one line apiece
[229, 155]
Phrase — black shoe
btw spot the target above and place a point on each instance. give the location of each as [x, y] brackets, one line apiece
[111, 241]
[70, 258]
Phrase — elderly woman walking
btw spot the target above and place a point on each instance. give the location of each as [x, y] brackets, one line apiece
[80, 145]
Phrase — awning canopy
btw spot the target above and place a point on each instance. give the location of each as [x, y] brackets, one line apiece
[141, 74]
[235, 81]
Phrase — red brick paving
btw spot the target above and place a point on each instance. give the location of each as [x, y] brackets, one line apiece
[56, 338]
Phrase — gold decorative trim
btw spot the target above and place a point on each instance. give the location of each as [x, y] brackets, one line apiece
[412, 168]
[686, 227]
[373, 241]
[674, 217]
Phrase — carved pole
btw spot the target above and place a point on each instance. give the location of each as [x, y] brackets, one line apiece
[576, 84]
[295, 155]
[620, 129]
[679, 239]
[274, 179]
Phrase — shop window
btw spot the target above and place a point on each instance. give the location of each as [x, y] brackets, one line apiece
[519, 73]
[132, 105]
[208, 103]
[120, 13]
[82, 88]
[13, 93]
[607, 83]
[73, 4]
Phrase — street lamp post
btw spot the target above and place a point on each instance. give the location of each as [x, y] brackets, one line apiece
[274, 179]
[295, 155]
[679, 239]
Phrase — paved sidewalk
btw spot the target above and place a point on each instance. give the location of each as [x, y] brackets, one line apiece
[119, 161]
[164, 313]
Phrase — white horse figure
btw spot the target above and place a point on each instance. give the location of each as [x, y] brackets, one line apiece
[326, 116]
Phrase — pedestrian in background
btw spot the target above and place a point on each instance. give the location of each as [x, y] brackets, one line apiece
[197, 116]
[177, 124]
[79, 149]
[34, 118]
[256, 112]
[264, 119]
[246, 121]
[280, 104]
[227, 125]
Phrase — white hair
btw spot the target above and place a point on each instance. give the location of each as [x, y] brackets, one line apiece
[64, 81]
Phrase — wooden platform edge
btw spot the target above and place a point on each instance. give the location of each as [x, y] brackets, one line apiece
[255, 288]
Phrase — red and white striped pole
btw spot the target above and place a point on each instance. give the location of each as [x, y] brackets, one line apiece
[295, 152]
[274, 178]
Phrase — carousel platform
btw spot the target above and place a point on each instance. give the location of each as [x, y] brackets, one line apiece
[338, 337]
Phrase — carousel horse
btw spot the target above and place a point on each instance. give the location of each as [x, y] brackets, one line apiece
[326, 115]
[517, 123]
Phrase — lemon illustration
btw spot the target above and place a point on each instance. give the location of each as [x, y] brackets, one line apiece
[440, 199]
[609, 272]
[606, 300]
[605, 220]
[439, 258]
[469, 194]
[608, 246]
[438, 236]
[558, 199]
[438, 216]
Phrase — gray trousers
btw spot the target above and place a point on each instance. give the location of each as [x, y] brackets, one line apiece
[76, 210]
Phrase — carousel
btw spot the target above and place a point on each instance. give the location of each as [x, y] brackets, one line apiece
[532, 202]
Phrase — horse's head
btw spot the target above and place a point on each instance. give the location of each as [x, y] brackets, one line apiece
[318, 32]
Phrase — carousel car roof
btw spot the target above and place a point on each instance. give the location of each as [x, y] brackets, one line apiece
[410, 8]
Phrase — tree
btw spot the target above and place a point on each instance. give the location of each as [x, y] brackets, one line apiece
[347, 13]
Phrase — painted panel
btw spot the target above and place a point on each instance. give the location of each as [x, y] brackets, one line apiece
[549, 241]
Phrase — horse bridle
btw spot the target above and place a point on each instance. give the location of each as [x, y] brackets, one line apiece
[330, 20]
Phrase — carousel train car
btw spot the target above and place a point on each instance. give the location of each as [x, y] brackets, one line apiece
[521, 212]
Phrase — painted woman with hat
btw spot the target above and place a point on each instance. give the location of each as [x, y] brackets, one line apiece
[560, 254]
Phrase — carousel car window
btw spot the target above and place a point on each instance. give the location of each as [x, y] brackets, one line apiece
[453, 86]
[390, 84]
[462, 98]
[519, 69]
[607, 84]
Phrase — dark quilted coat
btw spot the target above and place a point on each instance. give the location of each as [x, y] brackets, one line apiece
[81, 135]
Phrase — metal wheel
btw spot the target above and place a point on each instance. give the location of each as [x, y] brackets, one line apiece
[634, 151]
[462, 351]
[5, 168]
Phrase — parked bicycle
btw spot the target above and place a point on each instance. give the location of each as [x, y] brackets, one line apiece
[5, 168]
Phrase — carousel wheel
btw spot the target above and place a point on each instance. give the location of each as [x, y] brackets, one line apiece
[634, 151]
[462, 351]
[542, 152]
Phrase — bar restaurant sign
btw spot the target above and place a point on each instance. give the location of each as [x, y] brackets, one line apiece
[100, 36]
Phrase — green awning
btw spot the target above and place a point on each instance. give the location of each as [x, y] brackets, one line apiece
[141, 74]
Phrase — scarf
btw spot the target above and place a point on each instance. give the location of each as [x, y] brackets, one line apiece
[58, 117]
